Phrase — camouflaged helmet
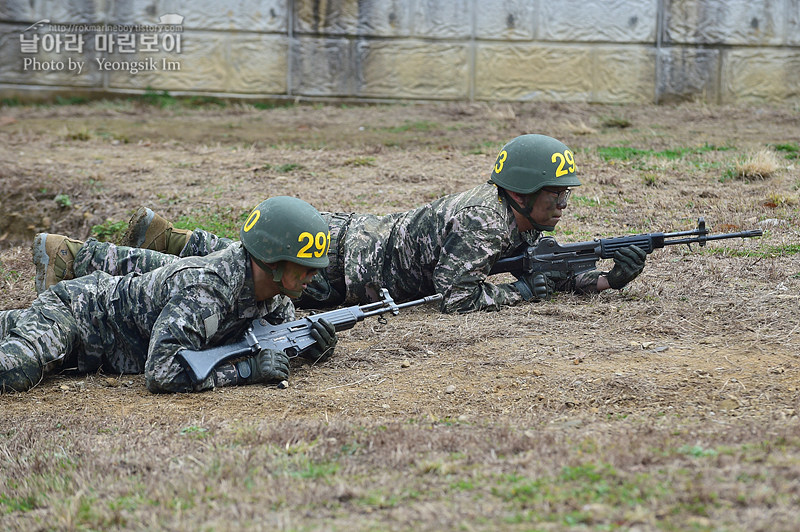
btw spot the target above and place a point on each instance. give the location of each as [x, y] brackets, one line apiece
[531, 162]
[286, 228]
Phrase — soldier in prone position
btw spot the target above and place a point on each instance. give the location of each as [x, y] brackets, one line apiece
[138, 323]
[448, 246]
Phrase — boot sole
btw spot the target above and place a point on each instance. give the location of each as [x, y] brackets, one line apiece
[41, 259]
[137, 228]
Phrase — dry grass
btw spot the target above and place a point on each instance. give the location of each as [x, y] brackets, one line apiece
[670, 405]
[761, 165]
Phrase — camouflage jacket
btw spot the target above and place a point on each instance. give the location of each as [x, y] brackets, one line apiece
[141, 321]
[448, 246]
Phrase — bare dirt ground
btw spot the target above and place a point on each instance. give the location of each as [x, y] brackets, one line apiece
[670, 405]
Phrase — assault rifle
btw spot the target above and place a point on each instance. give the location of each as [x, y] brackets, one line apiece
[547, 255]
[294, 335]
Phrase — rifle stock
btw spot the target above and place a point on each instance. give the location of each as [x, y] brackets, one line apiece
[295, 335]
[547, 255]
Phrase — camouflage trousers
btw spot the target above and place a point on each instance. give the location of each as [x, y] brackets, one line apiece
[42, 339]
[326, 290]
[65, 327]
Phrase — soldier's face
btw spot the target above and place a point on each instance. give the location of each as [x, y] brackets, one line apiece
[297, 277]
[548, 206]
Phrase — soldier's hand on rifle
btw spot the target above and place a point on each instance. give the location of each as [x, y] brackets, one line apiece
[535, 287]
[628, 264]
[268, 366]
[325, 334]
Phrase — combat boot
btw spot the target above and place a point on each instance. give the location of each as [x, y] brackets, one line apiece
[53, 256]
[148, 230]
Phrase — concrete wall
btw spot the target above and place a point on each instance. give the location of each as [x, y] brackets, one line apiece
[608, 51]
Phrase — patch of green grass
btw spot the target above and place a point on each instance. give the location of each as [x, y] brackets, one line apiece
[381, 499]
[156, 98]
[315, 470]
[288, 167]
[651, 180]
[63, 201]
[195, 432]
[729, 174]
[627, 153]
[10, 102]
[561, 497]
[222, 221]
[86, 512]
[11, 276]
[463, 485]
[22, 503]
[696, 451]
[586, 201]
[109, 231]
[127, 503]
[790, 150]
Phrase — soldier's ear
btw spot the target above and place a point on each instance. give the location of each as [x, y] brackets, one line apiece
[519, 198]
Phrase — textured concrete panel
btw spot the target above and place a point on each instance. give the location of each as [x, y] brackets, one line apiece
[368, 18]
[57, 12]
[243, 15]
[793, 22]
[436, 19]
[323, 67]
[725, 22]
[760, 74]
[412, 69]
[42, 67]
[622, 74]
[506, 20]
[21, 10]
[687, 74]
[213, 62]
[609, 20]
[337, 17]
[441, 19]
[533, 72]
[572, 50]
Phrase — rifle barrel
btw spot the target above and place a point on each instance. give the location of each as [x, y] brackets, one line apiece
[426, 299]
[389, 308]
[741, 234]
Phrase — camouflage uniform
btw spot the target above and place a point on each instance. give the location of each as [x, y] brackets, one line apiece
[136, 323]
[448, 246]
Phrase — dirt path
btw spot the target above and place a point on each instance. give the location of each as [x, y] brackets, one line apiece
[701, 352]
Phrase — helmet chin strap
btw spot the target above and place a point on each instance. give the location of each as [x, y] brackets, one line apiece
[526, 211]
[277, 276]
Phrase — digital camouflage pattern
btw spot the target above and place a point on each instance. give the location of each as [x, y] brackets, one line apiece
[447, 247]
[138, 322]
